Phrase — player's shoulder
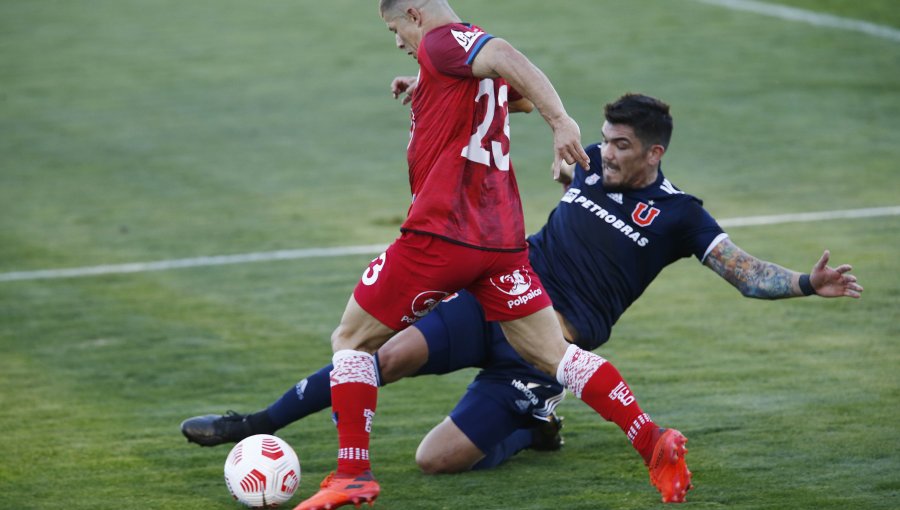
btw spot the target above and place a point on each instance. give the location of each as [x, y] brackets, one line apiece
[461, 31]
[460, 37]
[664, 189]
[593, 150]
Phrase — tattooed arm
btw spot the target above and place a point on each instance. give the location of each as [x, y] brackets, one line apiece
[764, 280]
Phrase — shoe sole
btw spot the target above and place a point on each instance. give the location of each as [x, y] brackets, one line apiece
[356, 500]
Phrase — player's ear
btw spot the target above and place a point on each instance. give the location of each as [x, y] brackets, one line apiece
[415, 15]
[655, 154]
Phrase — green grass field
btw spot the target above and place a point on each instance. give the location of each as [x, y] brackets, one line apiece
[142, 131]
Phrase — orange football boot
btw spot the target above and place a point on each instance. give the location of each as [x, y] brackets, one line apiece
[337, 490]
[668, 470]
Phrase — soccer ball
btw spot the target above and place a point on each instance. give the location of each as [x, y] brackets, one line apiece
[262, 471]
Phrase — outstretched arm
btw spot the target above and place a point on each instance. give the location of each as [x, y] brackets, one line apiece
[765, 280]
[498, 58]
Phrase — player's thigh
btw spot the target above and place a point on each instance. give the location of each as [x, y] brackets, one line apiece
[512, 293]
[359, 330]
[538, 339]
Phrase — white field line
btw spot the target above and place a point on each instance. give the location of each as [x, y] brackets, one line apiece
[220, 260]
[217, 260]
[810, 17]
[812, 216]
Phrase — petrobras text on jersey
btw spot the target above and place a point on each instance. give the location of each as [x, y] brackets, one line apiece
[524, 298]
[574, 196]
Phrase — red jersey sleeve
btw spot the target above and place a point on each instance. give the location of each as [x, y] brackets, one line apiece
[452, 52]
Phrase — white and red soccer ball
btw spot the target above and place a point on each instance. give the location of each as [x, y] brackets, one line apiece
[262, 471]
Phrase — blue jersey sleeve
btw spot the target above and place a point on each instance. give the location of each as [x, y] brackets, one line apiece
[700, 230]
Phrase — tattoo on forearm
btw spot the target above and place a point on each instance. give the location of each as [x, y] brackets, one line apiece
[751, 276]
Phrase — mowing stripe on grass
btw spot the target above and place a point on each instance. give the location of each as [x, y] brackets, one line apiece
[242, 258]
[810, 17]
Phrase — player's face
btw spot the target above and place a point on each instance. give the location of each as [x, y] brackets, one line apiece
[627, 164]
[407, 32]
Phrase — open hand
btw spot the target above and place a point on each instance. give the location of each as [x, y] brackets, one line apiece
[833, 282]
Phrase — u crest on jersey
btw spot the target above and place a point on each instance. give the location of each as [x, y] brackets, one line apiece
[644, 214]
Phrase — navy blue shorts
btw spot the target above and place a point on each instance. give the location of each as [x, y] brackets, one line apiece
[457, 334]
[507, 394]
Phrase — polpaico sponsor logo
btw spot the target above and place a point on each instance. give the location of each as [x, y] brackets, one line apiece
[514, 284]
[524, 298]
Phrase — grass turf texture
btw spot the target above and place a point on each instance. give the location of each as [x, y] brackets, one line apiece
[134, 132]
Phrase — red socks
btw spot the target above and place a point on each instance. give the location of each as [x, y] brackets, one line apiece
[593, 379]
[599, 384]
[354, 393]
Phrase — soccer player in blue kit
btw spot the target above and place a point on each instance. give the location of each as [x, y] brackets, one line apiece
[617, 226]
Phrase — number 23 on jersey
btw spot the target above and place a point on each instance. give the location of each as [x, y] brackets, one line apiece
[475, 150]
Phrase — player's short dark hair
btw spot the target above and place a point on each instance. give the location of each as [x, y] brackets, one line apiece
[386, 5]
[648, 117]
[390, 5]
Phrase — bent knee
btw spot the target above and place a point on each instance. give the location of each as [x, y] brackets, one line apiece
[342, 339]
[367, 338]
[446, 449]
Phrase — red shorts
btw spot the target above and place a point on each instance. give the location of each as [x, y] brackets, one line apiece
[417, 271]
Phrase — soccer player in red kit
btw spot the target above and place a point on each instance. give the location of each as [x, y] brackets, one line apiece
[465, 230]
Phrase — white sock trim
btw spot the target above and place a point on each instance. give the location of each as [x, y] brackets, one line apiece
[566, 359]
[576, 369]
[353, 367]
[345, 353]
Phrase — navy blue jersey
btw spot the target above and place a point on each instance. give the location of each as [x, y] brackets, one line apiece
[599, 250]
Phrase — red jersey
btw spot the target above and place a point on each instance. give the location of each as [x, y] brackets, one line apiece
[460, 175]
